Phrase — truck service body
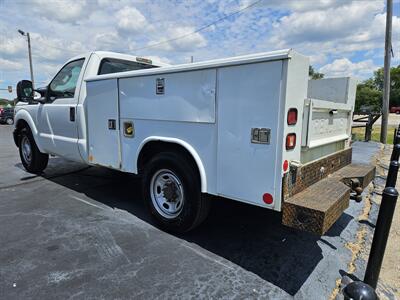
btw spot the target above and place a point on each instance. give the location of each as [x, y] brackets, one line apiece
[242, 128]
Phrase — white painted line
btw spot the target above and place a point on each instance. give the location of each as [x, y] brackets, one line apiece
[206, 256]
[87, 202]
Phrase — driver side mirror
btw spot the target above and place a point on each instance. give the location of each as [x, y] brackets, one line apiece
[25, 91]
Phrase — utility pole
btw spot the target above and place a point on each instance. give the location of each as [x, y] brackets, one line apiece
[30, 58]
[386, 71]
[29, 53]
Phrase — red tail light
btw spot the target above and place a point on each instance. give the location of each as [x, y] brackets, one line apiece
[1, 111]
[290, 141]
[292, 116]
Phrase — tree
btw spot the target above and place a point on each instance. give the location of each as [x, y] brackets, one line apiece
[370, 92]
[394, 98]
[313, 74]
[368, 97]
[5, 102]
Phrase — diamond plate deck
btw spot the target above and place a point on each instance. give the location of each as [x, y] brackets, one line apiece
[317, 208]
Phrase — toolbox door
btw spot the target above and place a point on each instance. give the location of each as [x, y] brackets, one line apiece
[103, 123]
[248, 117]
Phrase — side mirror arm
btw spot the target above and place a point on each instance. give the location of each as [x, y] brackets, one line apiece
[43, 95]
[41, 100]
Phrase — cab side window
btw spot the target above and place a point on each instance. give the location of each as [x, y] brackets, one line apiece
[64, 83]
[111, 65]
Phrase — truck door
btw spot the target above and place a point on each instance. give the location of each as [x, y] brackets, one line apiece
[103, 123]
[57, 117]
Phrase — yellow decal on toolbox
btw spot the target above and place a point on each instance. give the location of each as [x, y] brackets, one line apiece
[128, 129]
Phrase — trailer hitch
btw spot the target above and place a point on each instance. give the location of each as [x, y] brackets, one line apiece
[356, 190]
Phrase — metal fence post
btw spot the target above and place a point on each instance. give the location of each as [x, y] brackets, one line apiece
[391, 178]
[396, 136]
[358, 290]
[386, 211]
[385, 216]
[395, 152]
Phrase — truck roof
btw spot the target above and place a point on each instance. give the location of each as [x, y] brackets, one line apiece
[109, 54]
[230, 61]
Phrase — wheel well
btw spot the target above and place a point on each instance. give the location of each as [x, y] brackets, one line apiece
[154, 147]
[18, 127]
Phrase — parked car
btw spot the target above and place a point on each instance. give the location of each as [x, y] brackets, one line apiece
[7, 115]
[395, 109]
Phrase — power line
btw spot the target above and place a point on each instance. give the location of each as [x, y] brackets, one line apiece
[179, 37]
[169, 40]
[201, 28]
[58, 48]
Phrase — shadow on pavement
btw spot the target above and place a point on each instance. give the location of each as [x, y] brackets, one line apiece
[246, 235]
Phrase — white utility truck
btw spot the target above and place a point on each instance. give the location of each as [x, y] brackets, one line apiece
[252, 128]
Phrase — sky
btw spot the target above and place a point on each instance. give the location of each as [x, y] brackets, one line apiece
[341, 37]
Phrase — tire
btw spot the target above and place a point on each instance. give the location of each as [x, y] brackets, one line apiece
[171, 189]
[9, 121]
[32, 159]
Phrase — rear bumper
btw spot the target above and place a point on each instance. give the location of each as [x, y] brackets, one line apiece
[316, 194]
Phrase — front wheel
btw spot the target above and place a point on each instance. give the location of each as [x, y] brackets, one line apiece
[172, 193]
[32, 159]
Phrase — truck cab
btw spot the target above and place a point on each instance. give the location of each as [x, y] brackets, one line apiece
[57, 119]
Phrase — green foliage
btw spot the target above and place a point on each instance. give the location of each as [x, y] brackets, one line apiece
[368, 97]
[370, 92]
[313, 74]
[5, 102]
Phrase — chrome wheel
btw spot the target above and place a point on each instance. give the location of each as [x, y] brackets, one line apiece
[166, 193]
[26, 149]
[9, 121]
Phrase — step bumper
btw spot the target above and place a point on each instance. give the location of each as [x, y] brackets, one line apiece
[318, 207]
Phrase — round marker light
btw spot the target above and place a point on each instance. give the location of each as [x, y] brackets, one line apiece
[268, 199]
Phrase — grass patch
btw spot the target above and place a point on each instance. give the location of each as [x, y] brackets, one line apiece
[359, 134]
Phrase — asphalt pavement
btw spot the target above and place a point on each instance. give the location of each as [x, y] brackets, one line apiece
[83, 232]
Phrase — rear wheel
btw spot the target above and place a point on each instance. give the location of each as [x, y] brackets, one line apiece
[32, 159]
[172, 193]
[10, 121]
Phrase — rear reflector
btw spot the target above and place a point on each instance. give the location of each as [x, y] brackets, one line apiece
[285, 165]
[267, 198]
[292, 116]
[290, 141]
